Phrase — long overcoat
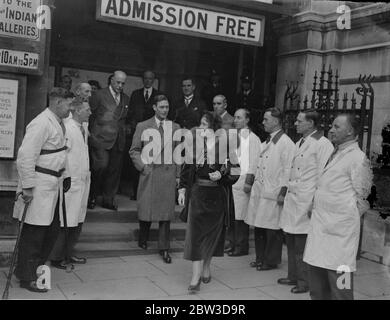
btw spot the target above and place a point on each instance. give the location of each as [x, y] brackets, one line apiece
[157, 183]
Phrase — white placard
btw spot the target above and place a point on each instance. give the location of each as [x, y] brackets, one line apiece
[8, 111]
[185, 19]
[20, 18]
[19, 59]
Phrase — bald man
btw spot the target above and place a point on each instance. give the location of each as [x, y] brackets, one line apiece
[108, 129]
[83, 92]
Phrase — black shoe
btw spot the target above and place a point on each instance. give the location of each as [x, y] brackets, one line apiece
[32, 286]
[77, 260]
[299, 290]
[228, 249]
[265, 267]
[192, 289]
[255, 264]
[143, 245]
[165, 255]
[287, 282]
[91, 204]
[61, 265]
[206, 279]
[237, 253]
[110, 206]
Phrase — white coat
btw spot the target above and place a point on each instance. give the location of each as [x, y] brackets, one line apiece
[76, 198]
[248, 154]
[333, 236]
[43, 132]
[307, 166]
[273, 172]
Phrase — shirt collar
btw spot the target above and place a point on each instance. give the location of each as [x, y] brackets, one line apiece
[273, 134]
[346, 144]
[158, 122]
[114, 94]
[189, 97]
[305, 138]
[149, 90]
[57, 117]
[223, 114]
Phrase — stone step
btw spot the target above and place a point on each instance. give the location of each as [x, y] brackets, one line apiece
[123, 231]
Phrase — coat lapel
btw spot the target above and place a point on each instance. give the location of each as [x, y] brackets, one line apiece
[54, 121]
[339, 156]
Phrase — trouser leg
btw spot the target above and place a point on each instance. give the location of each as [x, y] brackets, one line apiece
[230, 236]
[260, 241]
[273, 247]
[341, 285]
[302, 267]
[241, 236]
[112, 174]
[292, 266]
[318, 283]
[74, 236]
[144, 227]
[33, 251]
[164, 235]
[99, 160]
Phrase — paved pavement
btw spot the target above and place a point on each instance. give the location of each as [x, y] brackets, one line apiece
[147, 277]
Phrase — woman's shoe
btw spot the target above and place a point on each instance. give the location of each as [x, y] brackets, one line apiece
[206, 279]
[192, 289]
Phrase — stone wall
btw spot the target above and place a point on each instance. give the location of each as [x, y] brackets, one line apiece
[311, 38]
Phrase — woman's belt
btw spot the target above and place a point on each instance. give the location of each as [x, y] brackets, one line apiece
[206, 183]
[49, 171]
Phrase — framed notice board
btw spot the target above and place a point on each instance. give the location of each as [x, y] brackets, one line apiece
[12, 106]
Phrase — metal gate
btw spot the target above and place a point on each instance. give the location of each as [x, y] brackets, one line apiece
[325, 97]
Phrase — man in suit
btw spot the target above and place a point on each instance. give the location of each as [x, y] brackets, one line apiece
[213, 88]
[140, 109]
[66, 82]
[248, 99]
[220, 106]
[109, 108]
[189, 108]
[158, 175]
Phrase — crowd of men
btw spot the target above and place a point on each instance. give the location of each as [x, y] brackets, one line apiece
[310, 193]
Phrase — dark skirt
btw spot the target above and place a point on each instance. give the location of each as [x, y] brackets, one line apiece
[205, 235]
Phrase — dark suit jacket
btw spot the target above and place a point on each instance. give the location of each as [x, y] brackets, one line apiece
[139, 109]
[189, 116]
[108, 121]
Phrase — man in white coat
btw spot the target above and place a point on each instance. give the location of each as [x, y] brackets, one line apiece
[41, 164]
[76, 198]
[312, 152]
[269, 190]
[339, 201]
[248, 153]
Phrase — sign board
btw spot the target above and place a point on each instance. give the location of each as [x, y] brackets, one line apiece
[188, 18]
[8, 112]
[20, 18]
[19, 59]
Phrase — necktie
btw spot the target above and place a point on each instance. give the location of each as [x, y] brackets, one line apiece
[301, 143]
[62, 127]
[332, 156]
[146, 96]
[82, 131]
[187, 101]
[268, 139]
[117, 99]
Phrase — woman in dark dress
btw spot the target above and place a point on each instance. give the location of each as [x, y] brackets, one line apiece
[202, 190]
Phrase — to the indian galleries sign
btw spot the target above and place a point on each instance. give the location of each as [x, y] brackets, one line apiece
[184, 18]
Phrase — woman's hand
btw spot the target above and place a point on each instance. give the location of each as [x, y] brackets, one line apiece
[181, 198]
[215, 176]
